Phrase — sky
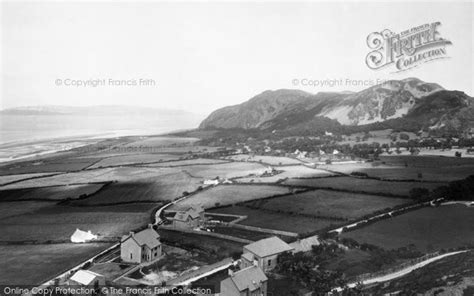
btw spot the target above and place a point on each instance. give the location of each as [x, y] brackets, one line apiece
[200, 56]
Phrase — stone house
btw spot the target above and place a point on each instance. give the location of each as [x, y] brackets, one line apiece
[144, 246]
[264, 253]
[250, 281]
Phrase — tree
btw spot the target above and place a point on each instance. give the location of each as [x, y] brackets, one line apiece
[404, 137]
[418, 193]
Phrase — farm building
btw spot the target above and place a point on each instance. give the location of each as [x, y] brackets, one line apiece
[213, 182]
[144, 246]
[86, 278]
[264, 253]
[248, 281]
[188, 219]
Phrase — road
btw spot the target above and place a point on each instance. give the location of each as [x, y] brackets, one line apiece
[402, 272]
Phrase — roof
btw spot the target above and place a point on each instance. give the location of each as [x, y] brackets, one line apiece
[268, 246]
[84, 277]
[248, 256]
[193, 212]
[148, 237]
[248, 278]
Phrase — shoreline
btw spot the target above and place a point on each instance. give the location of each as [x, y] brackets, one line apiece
[28, 150]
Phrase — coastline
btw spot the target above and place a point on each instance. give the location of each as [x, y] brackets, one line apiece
[13, 151]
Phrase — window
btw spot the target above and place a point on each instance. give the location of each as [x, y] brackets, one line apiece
[269, 262]
[131, 256]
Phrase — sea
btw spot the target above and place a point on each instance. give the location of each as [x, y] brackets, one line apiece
[25, 136]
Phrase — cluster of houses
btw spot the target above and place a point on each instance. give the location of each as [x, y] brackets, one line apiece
[144, 247]
[258, 258]
[216, 181]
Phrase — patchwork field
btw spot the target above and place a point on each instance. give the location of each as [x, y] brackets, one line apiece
[426, 161]
[277, 221]
[428, 174]
[35, 264]
[160, 141]
[125, 174]
[188, 162]
[163, 188]
[431, 168]
[57, 223]
[327, 204]
[230, 194]
[225, 170]
[50, 193]
[48, 165]
[299, 171]
[428, 228]
[134, 159]
[365, 185]
[15, 178]
[271, 160]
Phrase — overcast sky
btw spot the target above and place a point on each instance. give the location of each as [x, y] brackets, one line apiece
[202, 56]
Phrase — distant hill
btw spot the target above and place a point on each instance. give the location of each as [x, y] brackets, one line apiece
[101, 110]
[409, 103]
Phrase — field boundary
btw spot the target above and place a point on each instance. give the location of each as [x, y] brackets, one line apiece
[265, 230]
[213, 234]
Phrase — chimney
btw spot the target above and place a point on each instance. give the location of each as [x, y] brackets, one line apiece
[132, 233]
[231, 272]
[150, 226]
[255, 263]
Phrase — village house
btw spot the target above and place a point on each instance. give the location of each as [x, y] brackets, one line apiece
[144, 246]
[86, 278]
[250, 281]
[189, 219]
[264, 253]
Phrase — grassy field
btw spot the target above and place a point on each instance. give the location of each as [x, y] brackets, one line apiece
[57, 223]
[161, 142]
[272, 160]
[365, 185]
[426, 161]
[429, 229]
[125, 174]
[47, 165]
[50, 193]
[188, 162]
[241, 233]
[331, 204]
[134, 159]
[299, 171]
[164, 188]
[277, 221]
[11, 209]
[14, 178]
[428, 174]
[225, 170]
[229, 194]
[431, 168]
[35, 264]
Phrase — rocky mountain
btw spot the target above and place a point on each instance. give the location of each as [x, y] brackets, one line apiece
[393, 104]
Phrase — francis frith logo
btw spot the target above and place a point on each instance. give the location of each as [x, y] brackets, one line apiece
[407, 49]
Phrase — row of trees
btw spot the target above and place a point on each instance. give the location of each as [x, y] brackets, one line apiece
[456, 190]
